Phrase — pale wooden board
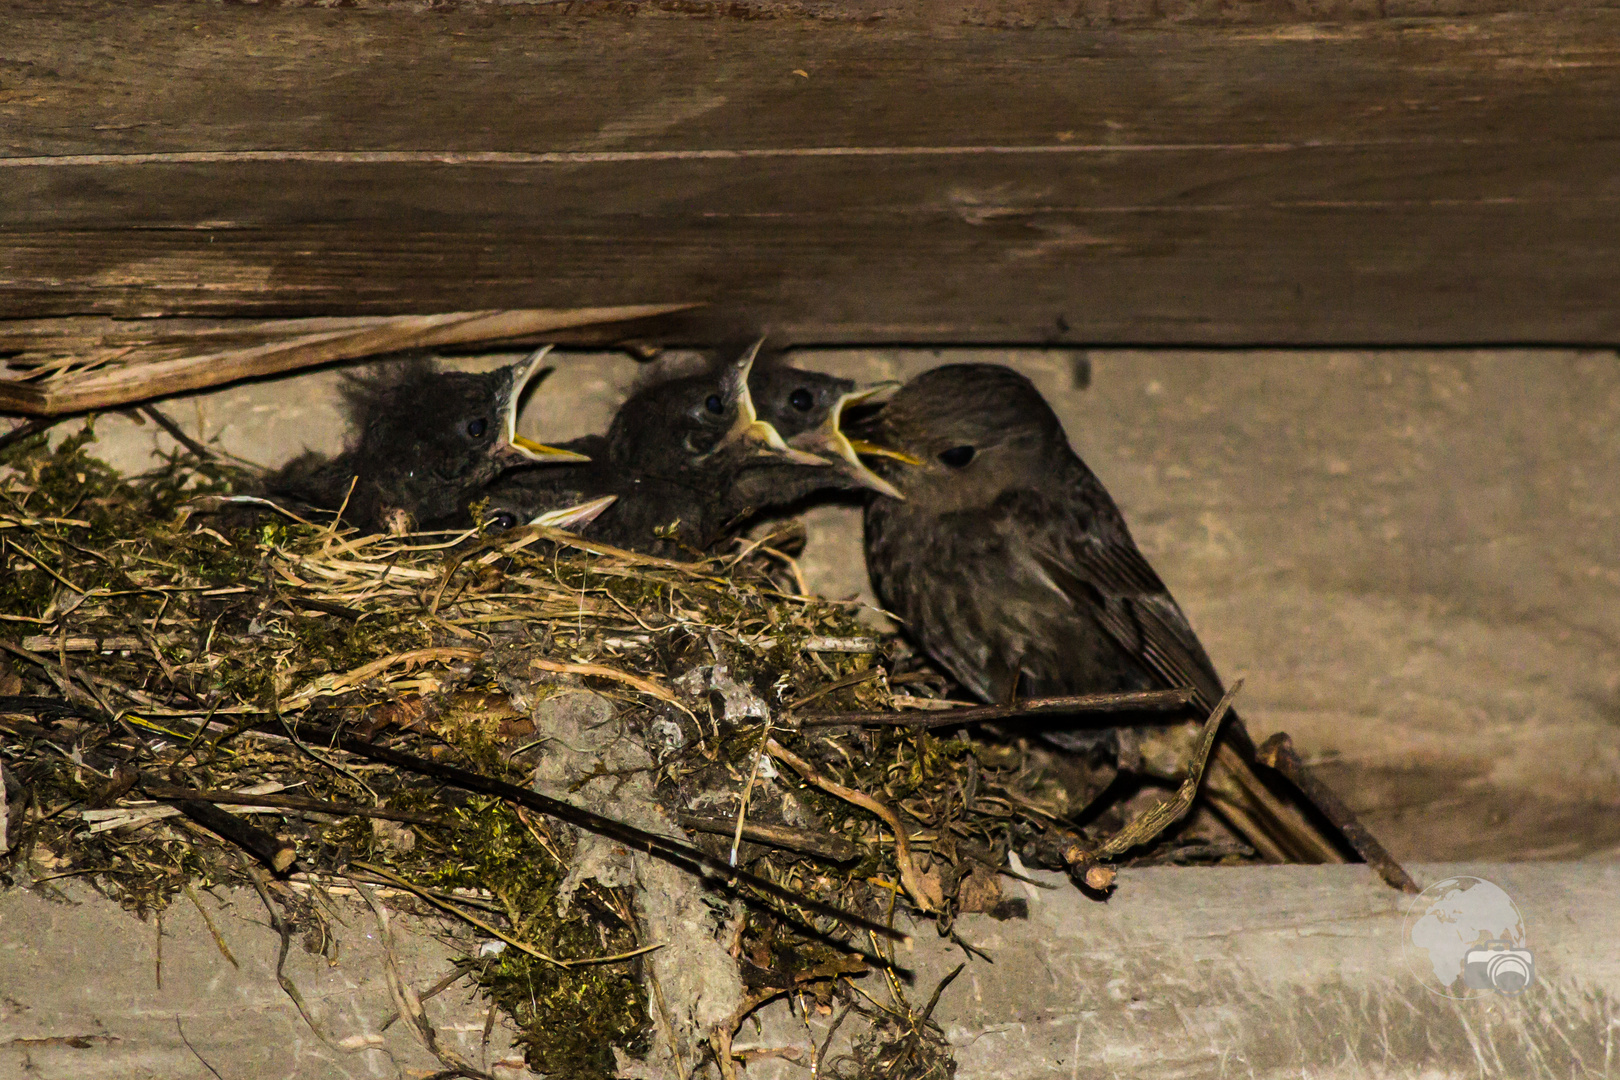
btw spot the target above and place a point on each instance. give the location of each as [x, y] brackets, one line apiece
[75, 365]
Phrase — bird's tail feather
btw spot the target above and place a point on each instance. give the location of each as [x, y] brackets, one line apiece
[1279, 832]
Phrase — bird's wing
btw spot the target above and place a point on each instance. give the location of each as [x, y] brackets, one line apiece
[1083, 549]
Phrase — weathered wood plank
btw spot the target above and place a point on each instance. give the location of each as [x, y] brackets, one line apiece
[875, 171]
[77, 372]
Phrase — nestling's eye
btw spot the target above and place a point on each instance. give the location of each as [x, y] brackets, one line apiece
[476, 428]
[800, 399]
[957, 456]
[715, 404]
[502, 520]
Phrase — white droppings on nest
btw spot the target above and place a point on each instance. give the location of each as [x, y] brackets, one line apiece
[738, 701]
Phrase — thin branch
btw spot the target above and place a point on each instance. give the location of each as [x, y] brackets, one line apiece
[1278, 752]
[1143, 701]
[820, 845]
[678, 852]
[164, 793]
[178, 434]
[923, 892]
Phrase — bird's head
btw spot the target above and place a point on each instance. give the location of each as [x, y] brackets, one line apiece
[807, 409]
[958, 436]
[698, 421]
[431, 426]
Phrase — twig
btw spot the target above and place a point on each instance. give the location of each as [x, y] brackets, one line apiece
[65, 676]
[327, 685]
[193, 1049]
[748, 790]
[923, 893]
[178, 434]
[1155, 819]
[27, 430]
[933, 999]
[678, 852]
[431, 992]
[855, 679]
[820, 845]
[646, 686]
[219, 939]
[164, 793]
[451, 909]
[1278, 752]
[1143, 701]
[352, 1045]
[821, 1051]
[409, 1005]
[277, 854]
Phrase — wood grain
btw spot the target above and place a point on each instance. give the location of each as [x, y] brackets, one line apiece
[863, 171]
[102, 374]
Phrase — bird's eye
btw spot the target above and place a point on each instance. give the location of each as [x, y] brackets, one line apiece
[502, 521]
[957, 456]
[476, 428]
[800, 399]
[715, 404]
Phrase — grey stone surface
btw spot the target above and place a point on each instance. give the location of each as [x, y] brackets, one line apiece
[1261, 972]
[81, 994]
[1243, 972]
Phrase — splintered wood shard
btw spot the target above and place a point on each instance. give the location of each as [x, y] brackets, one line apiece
[76, 365]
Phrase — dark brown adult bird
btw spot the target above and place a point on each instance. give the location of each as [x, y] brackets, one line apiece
[1010, 564]
[424, 440]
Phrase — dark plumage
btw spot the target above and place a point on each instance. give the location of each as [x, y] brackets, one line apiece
[672, 456]
[806, 408]
[1010, 564]
[424, 441]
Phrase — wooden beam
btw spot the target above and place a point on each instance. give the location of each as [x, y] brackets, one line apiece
[863, 171]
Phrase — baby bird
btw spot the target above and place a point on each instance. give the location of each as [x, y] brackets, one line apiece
[424, 441]
[807, 409]
[671, 456]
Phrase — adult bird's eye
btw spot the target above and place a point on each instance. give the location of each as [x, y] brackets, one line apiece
[715, 404]
[957, 456]
[800, 399]
[476, 428]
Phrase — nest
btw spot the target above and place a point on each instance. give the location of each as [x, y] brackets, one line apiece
[172, 679]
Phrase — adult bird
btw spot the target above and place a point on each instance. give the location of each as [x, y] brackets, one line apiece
[1010, 564]
[424, 440]
[672, 456]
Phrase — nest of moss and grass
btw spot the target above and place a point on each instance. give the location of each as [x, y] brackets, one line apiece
[155, 636]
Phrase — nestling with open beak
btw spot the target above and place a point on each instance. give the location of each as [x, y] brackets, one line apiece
[424, 441]
[672, 457]
[1010, 564]
[807, 409]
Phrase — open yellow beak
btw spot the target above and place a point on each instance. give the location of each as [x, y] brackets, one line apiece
[541, 452]
[527, 449]
[748, 426]
[861, 446]
[572, 517]
[828, 438]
